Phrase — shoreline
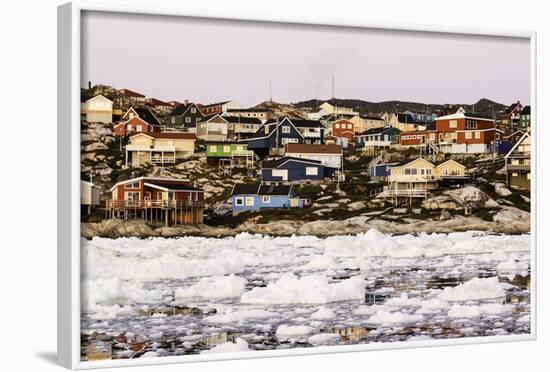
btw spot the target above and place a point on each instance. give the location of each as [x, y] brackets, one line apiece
[321, 228]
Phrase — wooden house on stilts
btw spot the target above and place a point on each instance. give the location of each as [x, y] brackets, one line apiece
[169, 201]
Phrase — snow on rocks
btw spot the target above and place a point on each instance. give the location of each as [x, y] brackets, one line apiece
[323, 313]
[239, 316]
[475, 311]
[215, 287]
[323, 339]
[501, 189]
[312, 289]
[229, 347]
[114, 291]
[286, 331]
[387, 318]
[512, 266]
[474, 289]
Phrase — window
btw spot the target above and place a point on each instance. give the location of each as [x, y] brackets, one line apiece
[159, 195]
[478, 135]
[452, 123]
[289, 140]
[133, 185]
[226, 149]
[337, 126]
[239, 201]
[286, 129]
[193, 110]
[131, 196]
[312, 171]
[468, 135]
[230, 126]
[471, 124]
[249, 201]
[147, 195]
[266, 199]
[187, 119]
[129, 127]
[213, 148]
[139, 128]
[173, 120]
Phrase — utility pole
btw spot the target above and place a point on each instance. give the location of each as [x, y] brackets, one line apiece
[270, 96]
[333, 86]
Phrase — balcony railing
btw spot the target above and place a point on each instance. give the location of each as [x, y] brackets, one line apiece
[150, 148]
[413, 178]
[161, 159]
[518, 167]
[410, 193]
[142, 204]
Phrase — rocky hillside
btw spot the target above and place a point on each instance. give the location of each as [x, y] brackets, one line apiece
[281, 109]
[484, 106]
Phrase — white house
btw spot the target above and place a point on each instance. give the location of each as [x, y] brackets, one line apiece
[99, 109]
[89, 195]
[329, 155]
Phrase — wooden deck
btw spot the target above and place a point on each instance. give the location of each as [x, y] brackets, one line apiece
[169, 212]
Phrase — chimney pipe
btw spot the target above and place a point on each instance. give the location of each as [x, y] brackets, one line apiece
[89, 84]
[186, 101]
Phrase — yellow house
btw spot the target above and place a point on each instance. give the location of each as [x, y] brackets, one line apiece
[518, 163]
[450, 169]
[159, 148]
[415, 178]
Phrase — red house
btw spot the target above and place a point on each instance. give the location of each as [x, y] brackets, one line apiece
[158, 104]
[134, 96]
[137, 120]
[166, 200]
[343, 129]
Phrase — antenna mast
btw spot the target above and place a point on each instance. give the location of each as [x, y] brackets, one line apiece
[270, 97]
[332, 85]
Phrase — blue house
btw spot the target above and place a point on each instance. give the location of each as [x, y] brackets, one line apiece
[289, 169]
[273, 136]
[380, 171]
[378, 137]
[253, 197]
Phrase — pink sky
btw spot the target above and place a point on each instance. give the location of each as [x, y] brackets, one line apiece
[211, 60]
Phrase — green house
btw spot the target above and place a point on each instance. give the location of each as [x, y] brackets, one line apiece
[226, 150]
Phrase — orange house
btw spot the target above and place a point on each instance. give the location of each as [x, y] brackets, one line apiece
[343, 129]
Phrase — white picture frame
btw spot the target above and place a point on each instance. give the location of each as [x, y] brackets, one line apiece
[68, 135]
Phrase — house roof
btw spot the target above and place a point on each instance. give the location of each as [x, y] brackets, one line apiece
[182, 109]
[248, 110]
[156, 102]
[274, 190]
[245, 189]
[259, 189]
[525, 135]
[526, 110]
[130, 93]
[244, 120]
[512, 107]
[408, 161]
[461, 114]
[171, 186]
[146, 115]
[98, 96]
[302, 123]
[169, 135]
[276, 163]
[151, 180]
[378, 131]
[371, 117]
[215, 104]
[440, 162]
[313, 149]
